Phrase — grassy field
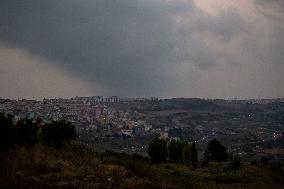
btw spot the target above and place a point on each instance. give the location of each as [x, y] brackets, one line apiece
[75, 166]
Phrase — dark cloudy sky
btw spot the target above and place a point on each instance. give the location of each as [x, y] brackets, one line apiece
[164, 48]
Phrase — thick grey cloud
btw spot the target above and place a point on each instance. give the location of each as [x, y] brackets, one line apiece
[130, 47]
[278, 3]
[117, 43]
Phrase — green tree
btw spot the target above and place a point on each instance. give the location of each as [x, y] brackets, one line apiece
[186, 155]
[7, 132]
[193, 155]
[190, 155]
[215, 151]
[27, 131]
[176, 151]
[58, 133]
[158, 151]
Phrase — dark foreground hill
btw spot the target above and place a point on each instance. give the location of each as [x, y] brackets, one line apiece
[75, 166]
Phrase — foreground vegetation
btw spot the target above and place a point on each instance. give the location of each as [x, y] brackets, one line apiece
[36, 155]
[75, 166]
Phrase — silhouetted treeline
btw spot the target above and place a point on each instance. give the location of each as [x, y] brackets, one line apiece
[174, 151]
[181, 152]
[27, 132]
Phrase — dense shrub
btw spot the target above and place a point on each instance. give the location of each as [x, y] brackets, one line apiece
[58, 133]
[27, 132]
[24, 132]
[7, 132]
[136, 163]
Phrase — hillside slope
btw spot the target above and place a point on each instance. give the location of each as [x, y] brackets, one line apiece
[77, 167]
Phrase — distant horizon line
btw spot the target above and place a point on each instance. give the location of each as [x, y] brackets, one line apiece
[141, 98]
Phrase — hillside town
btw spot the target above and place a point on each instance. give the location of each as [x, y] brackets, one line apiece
[247, 127]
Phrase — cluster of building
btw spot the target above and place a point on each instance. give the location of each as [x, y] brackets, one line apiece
[89, 114]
